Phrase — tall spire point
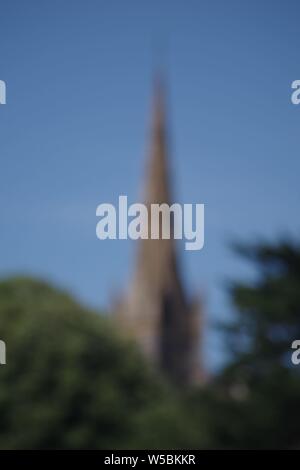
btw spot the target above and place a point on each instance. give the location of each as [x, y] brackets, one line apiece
[156, 311]
[158, 183]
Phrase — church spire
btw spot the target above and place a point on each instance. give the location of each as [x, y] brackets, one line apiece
[156, 311]
[157, 258]
[158, 184]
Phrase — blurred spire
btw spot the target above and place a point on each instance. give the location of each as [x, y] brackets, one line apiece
[158, 184]
[157, 311]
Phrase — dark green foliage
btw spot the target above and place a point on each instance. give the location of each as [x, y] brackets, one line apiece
[70, 381]
[255, 402]
[268, 312]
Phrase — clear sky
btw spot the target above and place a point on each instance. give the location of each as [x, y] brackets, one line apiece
[74, 131]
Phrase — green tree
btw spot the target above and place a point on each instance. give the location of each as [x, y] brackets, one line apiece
[71, 382]
[255, 401]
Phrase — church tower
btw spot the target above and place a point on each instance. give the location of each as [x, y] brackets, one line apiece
[156, 312]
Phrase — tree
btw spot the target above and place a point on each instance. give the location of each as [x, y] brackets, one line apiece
[71, 382]
[254, 403]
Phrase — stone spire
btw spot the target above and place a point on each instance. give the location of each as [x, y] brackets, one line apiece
[156, 311]
[158, 184]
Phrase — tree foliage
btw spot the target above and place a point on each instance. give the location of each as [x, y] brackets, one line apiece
[70, 381]
[254, 403]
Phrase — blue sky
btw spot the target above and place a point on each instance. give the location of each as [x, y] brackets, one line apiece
[74, 133]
